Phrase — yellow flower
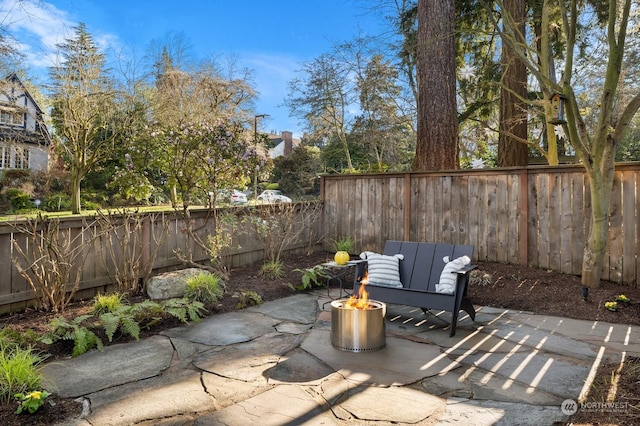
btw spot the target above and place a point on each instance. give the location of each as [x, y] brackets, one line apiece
[612, 306]
[35, 395]
[622, 298]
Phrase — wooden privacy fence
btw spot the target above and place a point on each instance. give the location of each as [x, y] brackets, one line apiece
[98, 268]
[536, 216]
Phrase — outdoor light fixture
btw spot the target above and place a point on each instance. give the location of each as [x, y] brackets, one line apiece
[557, 109]
[255, 139]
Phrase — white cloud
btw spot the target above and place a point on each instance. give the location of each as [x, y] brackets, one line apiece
[38, 27]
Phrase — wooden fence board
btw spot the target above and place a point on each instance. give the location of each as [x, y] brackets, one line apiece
[554, 208]
[578, 235]
[502, 220]
[514, 211]
[475, 211]
[565, 224]
[615, 243]
[629, 226]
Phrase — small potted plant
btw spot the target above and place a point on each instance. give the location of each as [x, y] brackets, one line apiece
[343, 248]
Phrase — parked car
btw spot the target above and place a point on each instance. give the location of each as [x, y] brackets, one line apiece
[273, 196]
[233, 197]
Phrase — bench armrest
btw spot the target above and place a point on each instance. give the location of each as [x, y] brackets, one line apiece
[465, 270]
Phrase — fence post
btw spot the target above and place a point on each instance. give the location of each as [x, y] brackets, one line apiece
[146, 243]
[407, 207]
[524, 216]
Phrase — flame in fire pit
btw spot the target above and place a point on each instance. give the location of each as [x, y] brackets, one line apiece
[361, 301]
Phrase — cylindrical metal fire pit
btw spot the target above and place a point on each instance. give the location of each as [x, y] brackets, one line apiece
[358, 330]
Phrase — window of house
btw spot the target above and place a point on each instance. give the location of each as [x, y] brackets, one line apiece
[5, 160]
[11, 116]
[21, 159]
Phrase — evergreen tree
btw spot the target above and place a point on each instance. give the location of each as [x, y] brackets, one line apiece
[84, 113]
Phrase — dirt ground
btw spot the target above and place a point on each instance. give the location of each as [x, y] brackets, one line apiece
[506, 286]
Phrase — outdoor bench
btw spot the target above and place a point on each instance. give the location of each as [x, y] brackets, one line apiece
[419, 272]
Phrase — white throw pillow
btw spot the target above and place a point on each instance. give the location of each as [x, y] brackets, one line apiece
[383, 270]
[448, 278]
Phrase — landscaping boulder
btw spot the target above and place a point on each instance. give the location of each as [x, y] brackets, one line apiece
[170, 284]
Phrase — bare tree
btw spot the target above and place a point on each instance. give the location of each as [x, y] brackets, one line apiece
[322, 95]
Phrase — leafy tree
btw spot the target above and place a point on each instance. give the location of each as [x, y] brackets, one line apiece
[592, 128]
[198, 158]
[84, 113]
[298, 173]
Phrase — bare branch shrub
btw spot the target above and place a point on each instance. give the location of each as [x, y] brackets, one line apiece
[132, 241]
[217, 245]
[51, 258]
[279, 226]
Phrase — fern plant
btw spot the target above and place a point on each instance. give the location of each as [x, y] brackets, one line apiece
[122, 319]
[184, 309]
[83, 338]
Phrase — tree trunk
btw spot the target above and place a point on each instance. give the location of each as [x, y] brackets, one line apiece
[512, 147]
[595, 249]
[600, 188]
[76, 179]
[437, 145]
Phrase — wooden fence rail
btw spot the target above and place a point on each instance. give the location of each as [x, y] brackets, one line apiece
[536, 216]
[97, 270]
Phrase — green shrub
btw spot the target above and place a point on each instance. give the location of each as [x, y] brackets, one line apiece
[90, 205]
[31, 401]
[344, 244]
[104, 303]
[19, 200]
[19, 371]
[272, 270]
[56, 202]
[15, 177]
[247, 298]
[16, 338]
[204, 287]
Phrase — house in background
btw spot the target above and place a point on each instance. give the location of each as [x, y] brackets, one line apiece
[24, 138]
[282, 144]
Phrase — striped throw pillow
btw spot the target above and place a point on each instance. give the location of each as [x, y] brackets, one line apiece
[448, 277]
[383, 270]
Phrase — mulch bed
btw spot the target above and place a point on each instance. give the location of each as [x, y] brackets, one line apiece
[504, 286]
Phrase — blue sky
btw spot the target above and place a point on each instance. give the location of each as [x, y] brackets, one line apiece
[271, 37]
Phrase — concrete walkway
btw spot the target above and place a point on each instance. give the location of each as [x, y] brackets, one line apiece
[274, 365]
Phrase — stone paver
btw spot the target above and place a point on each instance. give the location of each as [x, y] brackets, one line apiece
[117, 365]
[274, 365]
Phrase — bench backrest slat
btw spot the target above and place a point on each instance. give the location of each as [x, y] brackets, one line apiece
[423, 264]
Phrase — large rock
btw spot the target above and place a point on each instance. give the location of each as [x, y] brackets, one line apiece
[170, 284]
